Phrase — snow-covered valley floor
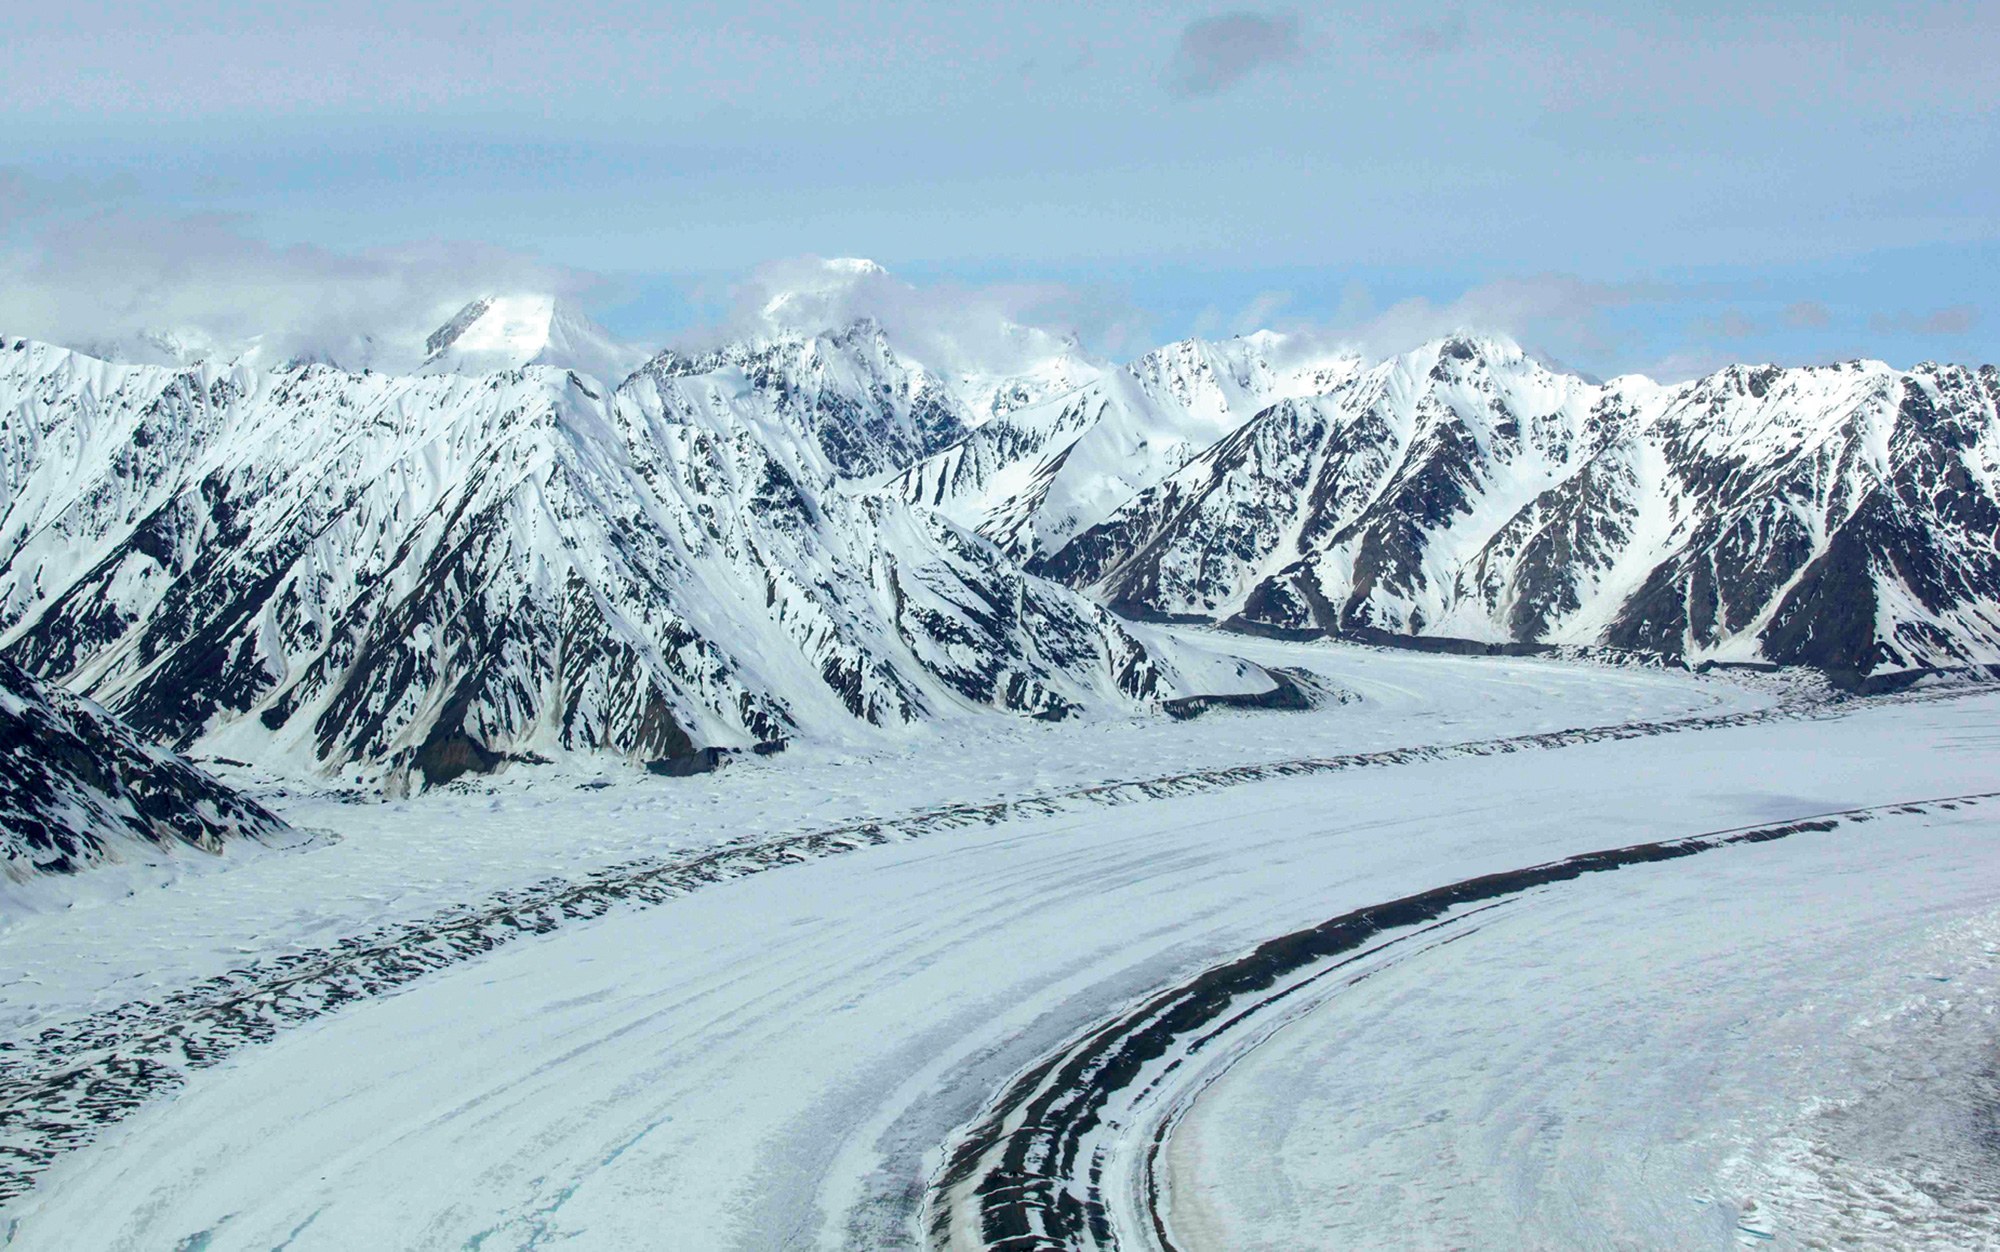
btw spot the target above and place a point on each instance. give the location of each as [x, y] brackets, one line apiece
[723, 1057]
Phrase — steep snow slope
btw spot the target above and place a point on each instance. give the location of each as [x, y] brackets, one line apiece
[436, 574]
[1033, 478]
[77, 787]
[1843, 516]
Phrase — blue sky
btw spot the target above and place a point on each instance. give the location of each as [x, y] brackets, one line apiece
[1663, 187]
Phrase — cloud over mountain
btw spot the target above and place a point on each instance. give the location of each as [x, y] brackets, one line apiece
[94, 273]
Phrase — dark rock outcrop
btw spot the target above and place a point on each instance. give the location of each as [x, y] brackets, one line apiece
[76, 784]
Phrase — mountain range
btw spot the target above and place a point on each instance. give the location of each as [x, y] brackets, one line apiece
[1842, 516]
[536, 540]
[407, 577]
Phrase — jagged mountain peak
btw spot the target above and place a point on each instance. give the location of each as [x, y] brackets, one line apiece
[1264, 362]
[1464, 354]
[845, 393]
[1033, 478]
[988, 360]
[1258, 367]
[857, 391]
[1468, 345]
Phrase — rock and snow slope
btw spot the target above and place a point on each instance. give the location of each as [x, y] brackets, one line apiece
[1033, 478]
[403, 575]
[78, 787]
[1842, 516]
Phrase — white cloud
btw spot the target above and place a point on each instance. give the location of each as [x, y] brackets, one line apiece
[106, 278]
[1261, 311]
[1729, 324]
[1555, 313]
[947, 326]
[1425, 39]
[1807, 315]
[26, 196]
[1944, 322]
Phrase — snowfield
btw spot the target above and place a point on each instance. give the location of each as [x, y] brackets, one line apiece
[762, 1008]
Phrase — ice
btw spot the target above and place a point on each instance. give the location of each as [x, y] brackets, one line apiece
[1585, 1062]
[778, 1059]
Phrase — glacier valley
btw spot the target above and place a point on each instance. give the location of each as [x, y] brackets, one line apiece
[817, 790]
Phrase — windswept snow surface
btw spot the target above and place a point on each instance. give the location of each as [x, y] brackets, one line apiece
[778, 1060]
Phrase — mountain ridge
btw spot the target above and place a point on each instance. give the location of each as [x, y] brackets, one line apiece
[1031, 478]
[411, 575]
[80, 788]
[1464, 490]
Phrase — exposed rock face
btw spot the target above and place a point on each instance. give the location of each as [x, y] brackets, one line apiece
[76, 784]
[424, 575]
[1842, 516]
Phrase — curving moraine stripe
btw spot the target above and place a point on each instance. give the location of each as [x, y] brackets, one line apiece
[1066, 1156]
[62, 1086]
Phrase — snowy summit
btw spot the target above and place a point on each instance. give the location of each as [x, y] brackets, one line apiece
[511, 332]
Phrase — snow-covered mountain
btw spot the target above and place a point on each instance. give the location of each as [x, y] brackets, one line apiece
[525, 547]
[419, 575]
[848, 393]
[1033, 478]
[511, 332]
[1844, 516]
[77, 787]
